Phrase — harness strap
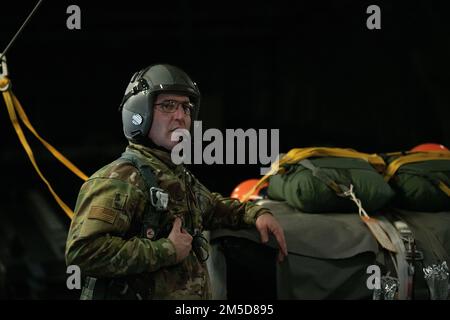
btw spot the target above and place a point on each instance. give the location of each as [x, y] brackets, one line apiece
[412, 254]
[401, 264]
[158, 198]
[130, 287]
[321, 175]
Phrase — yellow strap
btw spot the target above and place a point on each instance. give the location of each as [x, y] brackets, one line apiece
[49, 147]
[444, 188]
[297, 154]
[26, 146]
[8, 96]
[414, 157]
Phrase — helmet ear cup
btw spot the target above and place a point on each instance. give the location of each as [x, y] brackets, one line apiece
[137, 117]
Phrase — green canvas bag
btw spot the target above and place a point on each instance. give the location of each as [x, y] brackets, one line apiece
[420, 180]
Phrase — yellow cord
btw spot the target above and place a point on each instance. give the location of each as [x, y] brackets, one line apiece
[13, 105]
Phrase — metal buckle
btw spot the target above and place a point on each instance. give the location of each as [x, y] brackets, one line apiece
[159, 198]
[4, 73]
[418, 255]
[4, 67]
[410, 246]
[408, 239]
[5, 88]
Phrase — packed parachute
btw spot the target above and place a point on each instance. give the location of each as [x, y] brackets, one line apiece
[346, 213]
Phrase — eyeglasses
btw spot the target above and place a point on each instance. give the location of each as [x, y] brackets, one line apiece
[170, 106]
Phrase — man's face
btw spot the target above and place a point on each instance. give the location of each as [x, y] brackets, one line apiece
[165, 123]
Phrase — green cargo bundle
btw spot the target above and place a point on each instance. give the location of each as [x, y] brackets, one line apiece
[420, 180]
[301, 188]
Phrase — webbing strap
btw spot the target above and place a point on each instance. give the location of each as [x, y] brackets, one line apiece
[444, 188]
[341, 189]
[66, 162]
[411, 252]
[151, 215]
[418, 157]
[14, 102]
[413, 158]
[321, 175]
[9, 100]
[401, 265]
[428, 236]
[144, 168]
[297, 154]
[13, 105]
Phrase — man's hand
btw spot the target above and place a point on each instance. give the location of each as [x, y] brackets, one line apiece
[265, 223]
[181, 240]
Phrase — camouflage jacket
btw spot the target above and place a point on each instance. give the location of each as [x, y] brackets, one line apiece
[104, 238]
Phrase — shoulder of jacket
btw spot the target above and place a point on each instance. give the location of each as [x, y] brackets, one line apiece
[120, 171]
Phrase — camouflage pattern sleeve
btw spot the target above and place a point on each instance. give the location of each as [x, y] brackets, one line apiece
[229, 212]
[106, 206]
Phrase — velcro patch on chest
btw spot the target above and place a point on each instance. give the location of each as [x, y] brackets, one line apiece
[103, 214]
[119, 201]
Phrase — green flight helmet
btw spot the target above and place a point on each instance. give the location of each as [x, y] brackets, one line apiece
[141, 93]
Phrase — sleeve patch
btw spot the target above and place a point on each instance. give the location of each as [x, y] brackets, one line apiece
[119, 201]
[103, 214]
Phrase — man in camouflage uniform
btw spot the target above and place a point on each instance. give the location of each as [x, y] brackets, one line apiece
[122, 256]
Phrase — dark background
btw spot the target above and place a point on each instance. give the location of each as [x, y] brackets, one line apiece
[311, 69]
